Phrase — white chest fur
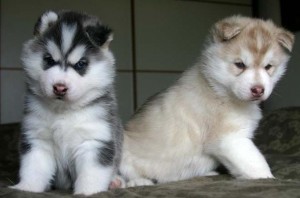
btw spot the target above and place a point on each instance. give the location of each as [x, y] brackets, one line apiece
[65, 130]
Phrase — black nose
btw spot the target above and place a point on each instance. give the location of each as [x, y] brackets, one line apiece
[257, 91]
[60, 89]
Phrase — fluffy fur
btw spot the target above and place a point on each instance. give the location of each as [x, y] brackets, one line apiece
[71, 135]
[209, 115]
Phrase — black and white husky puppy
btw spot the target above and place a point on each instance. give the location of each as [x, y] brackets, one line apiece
[71, 134]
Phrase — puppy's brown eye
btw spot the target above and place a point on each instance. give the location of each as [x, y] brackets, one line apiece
[268, 67]
[240, 65]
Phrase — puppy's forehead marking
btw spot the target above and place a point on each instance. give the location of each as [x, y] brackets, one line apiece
[68, 34]
[76, 54]
[53, 50]
[259, 44]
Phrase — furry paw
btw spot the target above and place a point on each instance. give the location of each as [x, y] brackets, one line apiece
[260, 176]
[88, 191]
[140, 182]
[212, 173]
[27, 187]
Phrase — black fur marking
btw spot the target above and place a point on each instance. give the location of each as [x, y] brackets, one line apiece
[81, 66]
[107, 153]
[36, 30]
[49, 62]
[98, 34]
[107, 100]
[222, 169]
[30, 93]
[154, 181]
[24, 144]
[92, 36]
[70, 17]
[54, 34]
[37, 47]
[80, 38]
[107, 97]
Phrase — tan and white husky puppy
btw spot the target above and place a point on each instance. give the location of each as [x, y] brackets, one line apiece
[209, 115]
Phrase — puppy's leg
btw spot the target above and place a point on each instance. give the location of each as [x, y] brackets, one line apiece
[129, 172]
[242, 158]
[139, 182]
[37, 170]
[119, 182]
[93, 174]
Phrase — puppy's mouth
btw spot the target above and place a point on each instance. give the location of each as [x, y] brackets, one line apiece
[257, 99]
[59, 98]
[64, 98]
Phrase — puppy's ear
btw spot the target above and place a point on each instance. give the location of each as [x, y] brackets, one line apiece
[45, 21]
[228, 28]
[286, 39]
[100, 35]
[225, 31]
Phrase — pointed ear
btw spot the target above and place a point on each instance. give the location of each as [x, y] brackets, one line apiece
[100, 35]
[44, 22]
[228, 28]
[286, 39]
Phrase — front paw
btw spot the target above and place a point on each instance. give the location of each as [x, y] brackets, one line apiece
[88, 189]
[257, 175]
[27, 187]
[267, 176]
[140, 182]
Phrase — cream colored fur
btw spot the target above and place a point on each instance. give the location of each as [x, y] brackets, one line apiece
[210, 114]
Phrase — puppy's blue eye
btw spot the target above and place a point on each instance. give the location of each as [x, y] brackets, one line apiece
[80, 65]
[49, 60]
[240, 65]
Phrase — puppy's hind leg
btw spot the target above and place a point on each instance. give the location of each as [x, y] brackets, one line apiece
[119, 182]
[139, 182]
[132, 177]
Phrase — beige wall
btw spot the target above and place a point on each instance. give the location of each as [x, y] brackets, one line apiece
[168, 38]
